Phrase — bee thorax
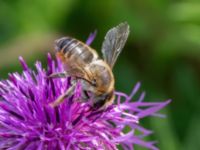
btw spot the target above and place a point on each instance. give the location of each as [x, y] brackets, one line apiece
[102, 75]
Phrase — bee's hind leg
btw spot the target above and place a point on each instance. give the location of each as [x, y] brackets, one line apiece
[62, 97]
[58, 75]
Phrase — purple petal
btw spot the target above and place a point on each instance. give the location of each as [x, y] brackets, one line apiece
[23, 63]
[91, 37]
[152, 110]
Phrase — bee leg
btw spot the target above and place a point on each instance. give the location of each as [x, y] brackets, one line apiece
[86, 94]
[62, 97]
[58, 75]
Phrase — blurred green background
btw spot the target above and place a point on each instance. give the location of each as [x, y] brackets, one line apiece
[163, 51]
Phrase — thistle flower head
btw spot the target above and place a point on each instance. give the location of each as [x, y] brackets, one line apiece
[28, 122]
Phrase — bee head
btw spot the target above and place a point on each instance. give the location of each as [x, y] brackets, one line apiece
[104, 100]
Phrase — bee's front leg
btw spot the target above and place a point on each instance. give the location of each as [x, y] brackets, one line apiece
[61, 98]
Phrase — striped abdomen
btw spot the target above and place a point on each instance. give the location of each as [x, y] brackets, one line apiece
[75, 50]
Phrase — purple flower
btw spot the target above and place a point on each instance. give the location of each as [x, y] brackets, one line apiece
[28, 122]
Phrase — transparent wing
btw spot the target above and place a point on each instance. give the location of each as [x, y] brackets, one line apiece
[73, 68]
[76, 70]
[114, 42]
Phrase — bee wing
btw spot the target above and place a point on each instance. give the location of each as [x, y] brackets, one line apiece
[114, 42]
[75, 68]
[78, 71]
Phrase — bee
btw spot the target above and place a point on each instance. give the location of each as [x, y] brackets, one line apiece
[83, 64]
